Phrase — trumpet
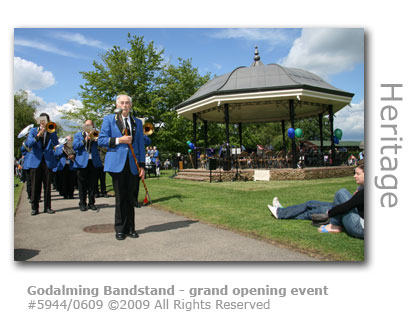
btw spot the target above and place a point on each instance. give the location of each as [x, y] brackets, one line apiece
[51, 127]
[148, 129]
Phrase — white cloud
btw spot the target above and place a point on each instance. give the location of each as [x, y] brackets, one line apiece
[326, 51]
[272, 36]
[351, 121]
[80, 39]
[30, 76]
[44, 47]
[53, 109]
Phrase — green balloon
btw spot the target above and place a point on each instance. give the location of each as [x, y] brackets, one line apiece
[189, 150]
[298, 133]
[188, 142]
[338, 133]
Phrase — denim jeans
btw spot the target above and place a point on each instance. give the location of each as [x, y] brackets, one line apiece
[303, 211]
[351, 221]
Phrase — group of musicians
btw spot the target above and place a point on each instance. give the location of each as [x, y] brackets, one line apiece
[123, 137]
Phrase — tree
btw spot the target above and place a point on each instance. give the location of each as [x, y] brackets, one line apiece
[178, 84]
[24, 110]
[133, 72]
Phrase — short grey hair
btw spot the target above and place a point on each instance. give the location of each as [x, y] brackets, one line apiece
[123, 95]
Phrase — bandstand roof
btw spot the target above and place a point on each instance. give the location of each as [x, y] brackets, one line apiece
[261, 93]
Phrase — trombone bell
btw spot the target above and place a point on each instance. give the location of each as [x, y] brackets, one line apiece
[51, 127]
[148, 129]
[94, 134]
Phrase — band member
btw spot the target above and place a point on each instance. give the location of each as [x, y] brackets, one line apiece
[120, 164]
[101, 187]
[26, 152]
[42, 140]
[86, 162]
[65, 168]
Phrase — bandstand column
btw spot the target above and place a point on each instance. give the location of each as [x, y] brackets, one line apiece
[205, 135]
[321, 137]
[331, 124]
[194, 140]
[283, 131]
[227, 121]
[294, 148]
[240, 134]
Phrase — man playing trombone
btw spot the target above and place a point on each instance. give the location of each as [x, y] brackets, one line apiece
[41, 162]
[86, 161]
[120, 132]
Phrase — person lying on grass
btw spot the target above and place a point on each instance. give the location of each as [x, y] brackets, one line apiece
[345, 212]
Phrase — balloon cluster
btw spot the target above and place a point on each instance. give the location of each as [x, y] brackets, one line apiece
[294, 133]
[191, 146]
[337, 135]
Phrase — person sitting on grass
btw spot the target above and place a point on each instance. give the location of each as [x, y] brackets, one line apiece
[345, 212]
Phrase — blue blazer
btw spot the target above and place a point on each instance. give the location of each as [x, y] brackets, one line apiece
[26, 155]
[38, 152]
[112, 128]
[82, 155]
[62, 158]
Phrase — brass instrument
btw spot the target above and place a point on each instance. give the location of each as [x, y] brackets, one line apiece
[68, 150]
[148, 129]
[67, 146]
[94, 134]
[51, 127]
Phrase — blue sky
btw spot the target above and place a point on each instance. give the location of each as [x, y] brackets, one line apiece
[47, 62]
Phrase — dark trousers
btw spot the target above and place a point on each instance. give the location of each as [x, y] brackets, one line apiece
[27, 178]
[67, 181]
[124, 183]
[41, 176]
[87, 178]
[102, 188]
[136, 192]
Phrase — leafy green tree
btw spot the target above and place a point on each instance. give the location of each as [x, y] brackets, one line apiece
[24, 110]
[178, 84]
[133, 72]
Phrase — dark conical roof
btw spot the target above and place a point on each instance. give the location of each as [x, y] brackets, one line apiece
[273, 79]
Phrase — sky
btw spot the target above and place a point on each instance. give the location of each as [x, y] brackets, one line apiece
[48, 61]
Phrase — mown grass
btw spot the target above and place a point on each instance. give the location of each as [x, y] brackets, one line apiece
[242, 207]
[18, 187]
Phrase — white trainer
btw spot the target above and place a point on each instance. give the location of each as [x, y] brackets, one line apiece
[276, 203]
[273, 211]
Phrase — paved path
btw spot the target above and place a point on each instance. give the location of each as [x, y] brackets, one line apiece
[163, 237]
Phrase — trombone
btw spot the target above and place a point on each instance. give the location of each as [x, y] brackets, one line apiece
[148, 129]
[94, 134]
[51, 127]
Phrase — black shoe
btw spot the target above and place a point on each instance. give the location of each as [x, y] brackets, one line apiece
[98, 195]
[34, 212]
[133, 234]
[70, 197]
[83, 208]
[92, 207]
[49, 210]
[119, 236]
[106, 195]
[137, 204]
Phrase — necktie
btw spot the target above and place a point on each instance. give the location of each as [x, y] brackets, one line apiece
[128, 129]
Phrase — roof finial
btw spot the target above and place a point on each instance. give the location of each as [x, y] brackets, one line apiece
[257, 61]
[256, 56]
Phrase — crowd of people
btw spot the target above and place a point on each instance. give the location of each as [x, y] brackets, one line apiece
[82, 162]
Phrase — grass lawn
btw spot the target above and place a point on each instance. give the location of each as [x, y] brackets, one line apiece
[242, 207]
[17, 191]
